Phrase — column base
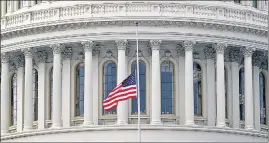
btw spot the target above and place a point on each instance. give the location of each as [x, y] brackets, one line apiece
[87, 124]
[120, 122]
[56, 125]
[156, 123]
[4, 132]
[27, 128]
[190, 123]
[221, 125]
[251, 128]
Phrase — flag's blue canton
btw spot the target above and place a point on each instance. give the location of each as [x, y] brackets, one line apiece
[130, 80]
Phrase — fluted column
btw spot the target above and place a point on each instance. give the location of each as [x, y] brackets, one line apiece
[220, 84]
[181, 86]
[248, 88]
[3, 7]
[5, 94]
[189, 99]
[155, 83]
[57, 86]
[122, 109]
[88, 96]
[96, 52]
[42, 55]
[28, 99]
[210, 55]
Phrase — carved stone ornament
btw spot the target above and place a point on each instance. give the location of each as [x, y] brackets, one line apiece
[42, 56]
[188, 45]
[88, 45]
[235, 55]
[80, 56]
[108, 54]
[57, 48]
[257, 58]
[121, 44]
[20, 61]
[220, 47]
[139, 53]
[180, 50]
[248, 51]
[67, 52]
[155, 44]
[5, 57]
[209, 52]
[96, 50]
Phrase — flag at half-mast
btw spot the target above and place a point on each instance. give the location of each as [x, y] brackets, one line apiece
[123, 91]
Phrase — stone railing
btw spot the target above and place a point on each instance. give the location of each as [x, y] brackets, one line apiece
[60, 12]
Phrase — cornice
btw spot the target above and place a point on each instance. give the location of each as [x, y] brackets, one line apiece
[133, 127]
[46, 27]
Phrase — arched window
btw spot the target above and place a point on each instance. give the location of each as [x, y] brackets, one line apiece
[109, 82]
[242, 94]
[14, 100]
[262, 99]
[197, 87]
[79, 98]
[226, 93]
[142, 87]
[35, 94]
[51, 93]
[167, 88]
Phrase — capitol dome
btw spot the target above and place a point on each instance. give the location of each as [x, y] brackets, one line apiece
[203, 70]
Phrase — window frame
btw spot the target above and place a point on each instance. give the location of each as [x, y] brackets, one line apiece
[75, 88]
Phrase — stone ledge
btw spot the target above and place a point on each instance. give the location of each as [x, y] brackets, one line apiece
[134, 127]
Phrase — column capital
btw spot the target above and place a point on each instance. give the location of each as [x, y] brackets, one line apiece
[180, 50]
[258, 58]
[5, 57]
[248, 51]
[188, 45]
[209, 52]
[88, 45]
[67, 52]
[155, 44]
[28, 52]
[20, 61]
[220, 47]
[42, 56]
[96, 50]
[121, 44]
[57, 48]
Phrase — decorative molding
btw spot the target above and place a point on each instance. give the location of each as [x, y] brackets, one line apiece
[140, 54]
[20, 61]
[121, 44]
[257, 58]
[248, 51]
[80, 56]
[235, 55]
[108, 54]
[155, 44]
[96, 50]
[28, 52]
[189, 45]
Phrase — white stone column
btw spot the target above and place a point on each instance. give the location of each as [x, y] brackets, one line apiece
[155, 83]
[220, 84]
[10, 6]
[20, 92]
[16, 5]
[28, 99]
[210, 91]
[235, 58]
[57, 86]
[3, 7]
[42, 55]
[88, 96]
[122, 109]
[5, 94]
[248, 88]
[66, 88]
[32, 3]
[96, 95]
[181, 73]
[189, 99]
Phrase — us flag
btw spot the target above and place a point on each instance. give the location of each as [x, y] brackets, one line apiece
[123, 91]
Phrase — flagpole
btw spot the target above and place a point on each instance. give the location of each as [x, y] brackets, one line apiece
[138, 89]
